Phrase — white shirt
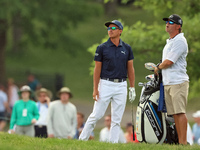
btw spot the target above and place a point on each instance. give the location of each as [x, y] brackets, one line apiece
[176, 51]
[104, 135]
[43, 111]
[62, 119]
[14, 95]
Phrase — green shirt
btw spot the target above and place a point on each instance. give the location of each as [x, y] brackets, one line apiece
[23, 113]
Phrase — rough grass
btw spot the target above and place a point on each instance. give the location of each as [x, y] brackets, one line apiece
[16, 142]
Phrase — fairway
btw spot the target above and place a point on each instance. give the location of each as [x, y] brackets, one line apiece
[16, 142]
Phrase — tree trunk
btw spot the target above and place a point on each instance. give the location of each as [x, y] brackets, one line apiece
[3, 28]
[17, 33]
[111, 8]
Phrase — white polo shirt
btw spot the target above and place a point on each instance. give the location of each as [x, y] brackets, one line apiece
[175, 50]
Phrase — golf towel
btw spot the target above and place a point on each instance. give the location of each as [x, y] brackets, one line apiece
[161, 103]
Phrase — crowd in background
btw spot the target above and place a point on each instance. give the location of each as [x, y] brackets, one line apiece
[32, 111]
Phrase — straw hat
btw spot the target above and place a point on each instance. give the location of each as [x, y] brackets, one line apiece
[25, 88]
[44, 90]
[64, 90]
[196, 114]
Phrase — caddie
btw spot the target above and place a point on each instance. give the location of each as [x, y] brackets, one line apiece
[174, 74]
[113, 62]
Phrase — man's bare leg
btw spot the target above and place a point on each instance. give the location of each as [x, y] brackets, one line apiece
[181, 127]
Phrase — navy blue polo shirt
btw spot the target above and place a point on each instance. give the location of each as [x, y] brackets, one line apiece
[114, 59]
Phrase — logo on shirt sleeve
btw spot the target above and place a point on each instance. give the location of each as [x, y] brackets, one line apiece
[96, 54]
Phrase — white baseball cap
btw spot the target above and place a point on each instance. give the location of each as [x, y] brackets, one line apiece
[196, 114]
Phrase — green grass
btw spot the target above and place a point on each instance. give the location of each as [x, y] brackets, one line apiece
[16, 142]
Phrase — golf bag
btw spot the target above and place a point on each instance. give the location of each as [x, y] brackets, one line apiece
[153, 126]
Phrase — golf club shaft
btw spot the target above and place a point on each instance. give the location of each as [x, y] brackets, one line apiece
[133, 123]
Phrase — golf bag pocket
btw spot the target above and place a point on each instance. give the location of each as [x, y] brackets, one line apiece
[138, 124]
[150, 124]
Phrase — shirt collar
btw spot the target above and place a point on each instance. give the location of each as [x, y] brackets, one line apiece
[177, 36]
[110, 43]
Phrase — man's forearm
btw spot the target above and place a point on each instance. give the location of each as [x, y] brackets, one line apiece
[96, 79]
[131, 73]
[96, 76]
[131, 77]
[165, 64]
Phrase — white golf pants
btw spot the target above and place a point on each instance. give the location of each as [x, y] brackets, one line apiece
[116, 93]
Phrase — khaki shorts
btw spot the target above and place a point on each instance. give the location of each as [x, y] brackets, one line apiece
[176, 98]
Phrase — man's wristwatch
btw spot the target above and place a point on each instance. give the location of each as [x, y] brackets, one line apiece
[158, 67]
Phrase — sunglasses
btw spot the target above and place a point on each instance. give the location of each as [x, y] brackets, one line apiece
[170, 22]
[112, 28]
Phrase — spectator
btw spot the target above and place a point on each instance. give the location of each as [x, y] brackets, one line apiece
[44, 97]
[3, 107]
[80, 125]
[196, 126]
[62, 120]
[33, 83]
[105, 132]
[24, 114]
[12, 93]
[129, 134]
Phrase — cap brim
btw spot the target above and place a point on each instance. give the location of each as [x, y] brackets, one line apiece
[108, 23]
[70, 94]
[165, 19]
[196, 115]
[31, 93]
[49, 93]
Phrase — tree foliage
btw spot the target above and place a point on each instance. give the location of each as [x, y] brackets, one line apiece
[40, 24]
[45, 23]
[147, 41]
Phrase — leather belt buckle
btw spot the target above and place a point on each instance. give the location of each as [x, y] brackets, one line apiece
[116, 80]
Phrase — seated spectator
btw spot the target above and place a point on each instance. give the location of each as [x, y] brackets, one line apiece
[44, 97]
[105, 132]
[3, 107]
[62, 119]
[196, 126]
[80, 125]
[129, 134]
[25, 114]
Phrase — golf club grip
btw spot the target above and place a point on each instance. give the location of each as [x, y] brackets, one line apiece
[133, 133]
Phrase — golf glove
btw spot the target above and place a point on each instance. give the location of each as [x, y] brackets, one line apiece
[132, 94]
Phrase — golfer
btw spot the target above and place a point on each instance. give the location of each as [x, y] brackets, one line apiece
[113, 62]
[175, 78]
